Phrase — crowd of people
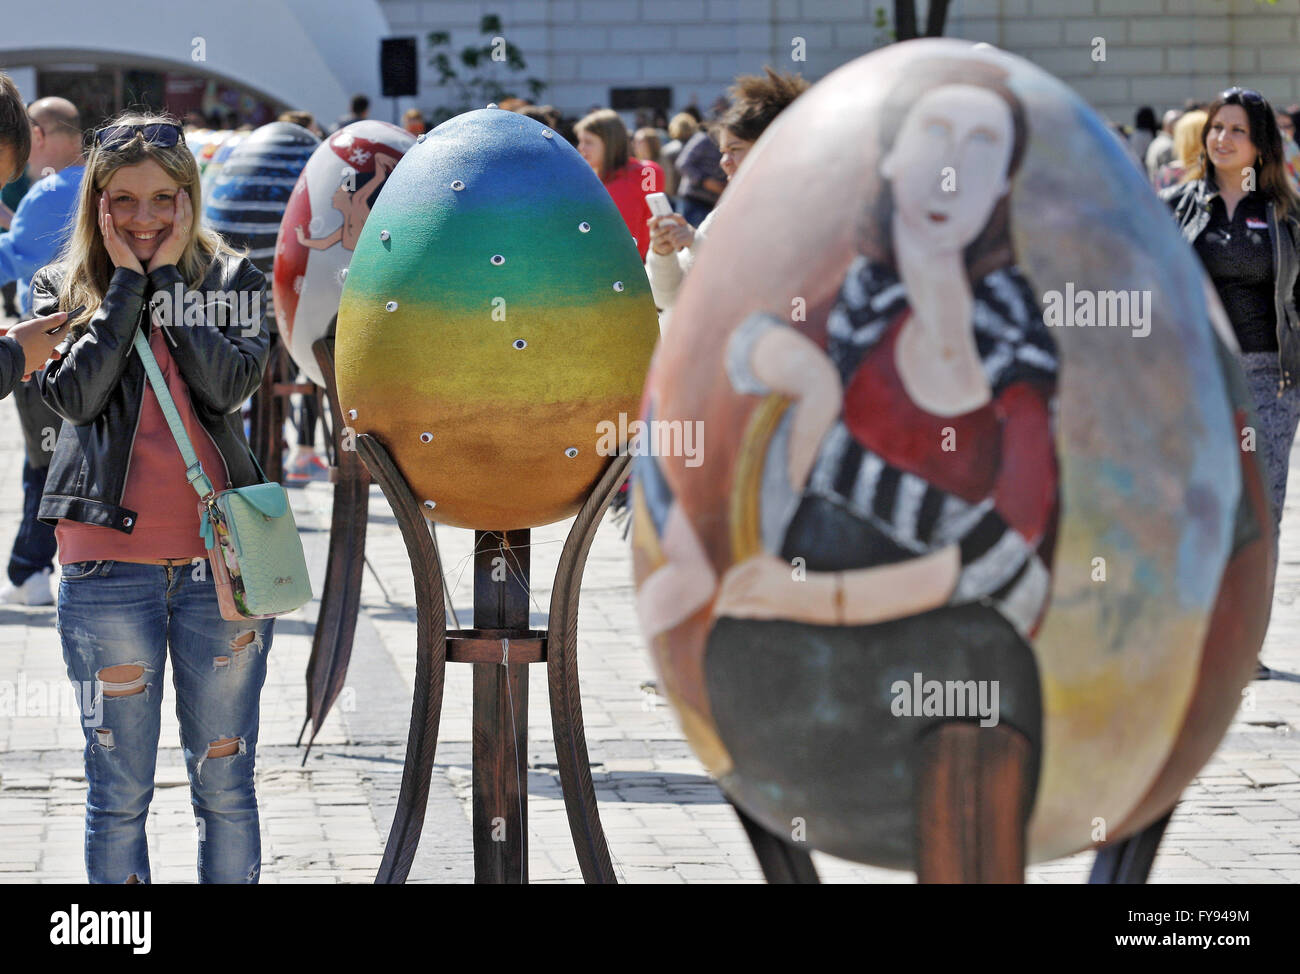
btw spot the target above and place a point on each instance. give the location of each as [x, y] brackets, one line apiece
[1169, 151]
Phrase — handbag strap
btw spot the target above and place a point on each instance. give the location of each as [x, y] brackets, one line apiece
[193, 469]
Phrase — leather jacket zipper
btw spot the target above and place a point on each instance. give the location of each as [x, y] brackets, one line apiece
[1279, 306]
[166, 331]
[130, 454]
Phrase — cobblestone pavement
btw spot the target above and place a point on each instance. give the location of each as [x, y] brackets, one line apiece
[326, 821]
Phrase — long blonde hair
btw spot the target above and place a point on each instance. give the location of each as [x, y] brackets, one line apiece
[1187, 143]
[85, 260]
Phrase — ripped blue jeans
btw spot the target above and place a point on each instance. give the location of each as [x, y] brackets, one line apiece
[116, 620]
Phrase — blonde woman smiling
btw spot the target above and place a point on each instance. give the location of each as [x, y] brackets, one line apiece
[135, 582]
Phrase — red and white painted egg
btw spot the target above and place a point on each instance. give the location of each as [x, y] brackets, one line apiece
[318, 234]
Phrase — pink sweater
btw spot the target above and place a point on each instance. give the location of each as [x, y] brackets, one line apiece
[167, 509]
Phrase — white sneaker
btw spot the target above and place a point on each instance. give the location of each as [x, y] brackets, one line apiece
[34, 591]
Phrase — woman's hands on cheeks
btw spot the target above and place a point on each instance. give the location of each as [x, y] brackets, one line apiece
[119, 251]
[173, 241]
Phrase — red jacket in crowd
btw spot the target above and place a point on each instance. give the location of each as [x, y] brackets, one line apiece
[629, 186]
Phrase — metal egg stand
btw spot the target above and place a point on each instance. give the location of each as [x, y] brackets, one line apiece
[500, 646]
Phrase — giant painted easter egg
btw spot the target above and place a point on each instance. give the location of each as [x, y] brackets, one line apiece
[321, 226]
[204, 143]
[971, 420]
[248, 196]
[495, 321]
[216, 154]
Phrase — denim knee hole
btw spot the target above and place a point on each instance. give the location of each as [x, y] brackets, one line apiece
[239, 647]
[123, 679]
[228, 747]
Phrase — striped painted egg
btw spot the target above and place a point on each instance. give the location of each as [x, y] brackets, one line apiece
[321, 227]
[248, 196]
[496, 320]
[974, 461]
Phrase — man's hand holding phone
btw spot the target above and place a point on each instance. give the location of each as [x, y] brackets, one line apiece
[38, 338]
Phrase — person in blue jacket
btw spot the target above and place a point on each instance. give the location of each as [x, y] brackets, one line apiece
[36, 232]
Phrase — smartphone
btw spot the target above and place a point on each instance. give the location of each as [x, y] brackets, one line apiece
[658, 203]
[71, 315]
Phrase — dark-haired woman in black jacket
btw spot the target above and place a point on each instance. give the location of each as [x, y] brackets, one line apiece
[1243, 220]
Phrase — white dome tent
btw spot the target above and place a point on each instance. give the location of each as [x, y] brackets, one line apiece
[308, 54]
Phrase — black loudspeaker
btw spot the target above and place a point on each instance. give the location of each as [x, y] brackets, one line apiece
[397, 68]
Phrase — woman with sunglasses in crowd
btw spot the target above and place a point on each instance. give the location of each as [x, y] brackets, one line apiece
[1243, 219]
[135, 580]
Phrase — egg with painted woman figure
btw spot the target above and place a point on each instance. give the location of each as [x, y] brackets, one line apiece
[943, 517]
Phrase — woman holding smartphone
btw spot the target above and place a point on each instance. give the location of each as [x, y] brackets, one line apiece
[674, 243]
[135, 580]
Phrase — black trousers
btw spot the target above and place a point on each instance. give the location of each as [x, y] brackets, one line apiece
[34, 547]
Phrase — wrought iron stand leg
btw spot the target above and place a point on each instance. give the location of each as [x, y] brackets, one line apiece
[500, 721]
[268, 413]
[562, 681]
[781, 862]
[1129, 861]
[972, 804]
[430, 662]
[336, 623]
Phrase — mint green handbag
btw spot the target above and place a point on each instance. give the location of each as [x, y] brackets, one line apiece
[253, 545]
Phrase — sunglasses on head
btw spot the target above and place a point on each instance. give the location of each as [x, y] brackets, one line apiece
[1248, 95]
[163, 134]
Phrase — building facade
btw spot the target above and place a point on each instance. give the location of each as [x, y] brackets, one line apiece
[266, 55]
[1118, 54]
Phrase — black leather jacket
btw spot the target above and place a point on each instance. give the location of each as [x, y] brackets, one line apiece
[1191, 205]
[12, 362]
[98, 384]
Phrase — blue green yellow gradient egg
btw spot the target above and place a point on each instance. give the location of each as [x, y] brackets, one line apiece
[495, 315]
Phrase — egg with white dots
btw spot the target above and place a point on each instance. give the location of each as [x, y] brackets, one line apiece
[519, 419]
